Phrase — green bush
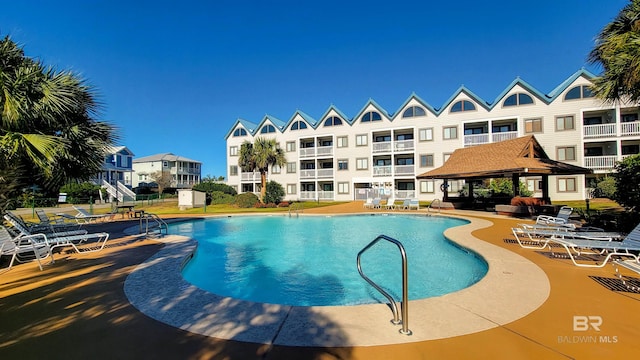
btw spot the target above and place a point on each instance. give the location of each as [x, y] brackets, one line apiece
[211, 186]
[246, 200]
[274, 193]
[218, 197]
[504, 187]
[81, 193]
[604, 188]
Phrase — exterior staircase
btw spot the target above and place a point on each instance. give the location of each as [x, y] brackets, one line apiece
[120, 191]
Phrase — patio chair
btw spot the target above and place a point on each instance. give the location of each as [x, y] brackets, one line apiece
[562, 218]
[84, 216]
[57, 223]
[368, 204]
[375, 204]
[405, 204]
[23, 248]
[25, 229]
[390, 205]
[628, 247]
[538, 237]
[414, 204]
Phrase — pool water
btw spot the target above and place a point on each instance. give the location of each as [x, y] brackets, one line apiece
[311, 261]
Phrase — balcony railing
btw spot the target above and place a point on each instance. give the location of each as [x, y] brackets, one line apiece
[600, 162]
[630, 128]
[405, 170]
[317, 195]
[384, 170]
[381, 146]
[249, 176]
[308, 174]
[477, 139]
[506, 135]
[307, 152]
[325, 151]
[325, 173]
[599, 130]
[404, 145]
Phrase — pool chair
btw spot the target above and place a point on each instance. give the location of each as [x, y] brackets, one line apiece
[375, 204]
[390, 205]
[562, 218]
[414, 204]
[405, 204]
[22, 227]
[83, 216]
[368, 204]
[55, 222]
[23, 248]
[628, 247]
[536, 237]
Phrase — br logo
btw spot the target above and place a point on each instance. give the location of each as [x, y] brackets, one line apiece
[583, 323]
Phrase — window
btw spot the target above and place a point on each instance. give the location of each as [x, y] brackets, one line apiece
[291, 168]
[343, 164]
[425, 134]
[333, 121]
[298, 125]
[291, 146]
[426, 160]
[267, 129]
[426, 186]
[233, 151]
[291, 188]
[343, 188]
[165, 164]
[462, 105]
[534, 185]
[565, 123]
[533, 125]
[240, 132]
[450, 132]
[578, 92]
[566, 153]
[593, 151]
[629, 117]
[275, 169]
[413, 112]
[342, 141]
[518, 99]
[630, 149]
[566, 184]
[233, 170]
[362, 164]
[361, 140]
[371, 116]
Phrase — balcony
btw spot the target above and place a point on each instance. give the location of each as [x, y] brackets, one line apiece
[381, 146]
[395, 146]
[308, 174]
[600, 162]
[307, 152]
[476, 139]
[385, 170]
[599, 131]
[324, 151]
[501, 136]
[325, 173]
[404, 145]
[402, 170]
[317, 195]
[630, 128]
[479, 139]
[250, 176]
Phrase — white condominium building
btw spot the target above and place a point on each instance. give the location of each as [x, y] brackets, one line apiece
[336, 157]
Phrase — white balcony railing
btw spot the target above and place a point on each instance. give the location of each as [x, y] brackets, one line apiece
[600, 162]
[630, 128]
[308, 174]
[317, 195]
[307, 152]
[249, 176]
[325, 151]
[381, 146]
[599, 130]
[384, 170]
[325, 173]
[307, 195]
[477, 139]
[405, 170]
[501, 136]
[326, 195]
[404, 145]
[405, 194]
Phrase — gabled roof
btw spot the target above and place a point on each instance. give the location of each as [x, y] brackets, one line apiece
[379, 108]
[247, 125]
[417, 98]
[308, 119]
[565, 84]
[523, 156]
[463, 90]
[526, 86]
[344, 117]
[110, 150]
[164, 157]
[279, 124]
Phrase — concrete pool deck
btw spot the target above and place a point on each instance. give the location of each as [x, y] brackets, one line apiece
[77, 308]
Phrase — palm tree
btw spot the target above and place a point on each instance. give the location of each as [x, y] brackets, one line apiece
[47, 124]
[617, 50]
[259, 156]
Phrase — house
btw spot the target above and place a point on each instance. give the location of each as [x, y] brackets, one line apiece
[117, 167]
[184, 172]
[380, 153]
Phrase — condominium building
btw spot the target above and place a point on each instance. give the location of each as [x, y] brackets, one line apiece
[337, 157]
[184, 172]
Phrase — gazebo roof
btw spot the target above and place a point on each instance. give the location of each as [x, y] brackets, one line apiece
[523, 156]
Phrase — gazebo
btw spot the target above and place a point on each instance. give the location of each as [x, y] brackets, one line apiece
[514, 158]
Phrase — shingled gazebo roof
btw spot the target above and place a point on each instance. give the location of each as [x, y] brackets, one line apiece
[523, 156]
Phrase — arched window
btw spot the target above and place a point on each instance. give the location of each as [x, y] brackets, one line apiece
[333, 121]
[578, 92]
[267, 129]
[518, 99]
[463, 105]
[371, 116]
[240, 132]
[414, 111]
[299, 125]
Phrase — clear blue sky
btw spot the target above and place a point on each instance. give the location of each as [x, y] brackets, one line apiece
[175, 75]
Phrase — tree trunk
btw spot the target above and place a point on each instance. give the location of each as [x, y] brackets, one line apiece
[263, 189]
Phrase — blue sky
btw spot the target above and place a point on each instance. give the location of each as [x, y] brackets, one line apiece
[175, 75]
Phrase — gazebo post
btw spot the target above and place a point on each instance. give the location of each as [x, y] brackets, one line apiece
[545, 189]
[515, 179]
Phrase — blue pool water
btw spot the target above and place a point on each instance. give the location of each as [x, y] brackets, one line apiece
[311, 261]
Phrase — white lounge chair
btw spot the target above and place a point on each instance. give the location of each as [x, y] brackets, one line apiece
[55, 223]
[375, 204]
[532, 237]
[18, 247]
[25, 229]
[562, 218]
[405, 204]
[628, 247]
[368, 204]
[84, 216]
[414, 204]
[390, 205]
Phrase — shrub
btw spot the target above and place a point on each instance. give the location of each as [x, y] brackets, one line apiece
[526, 201]
[627, 177]
[211, 186]
[246, 200]
[81, 193]
[218, 197]
[504, 187]
[274, 193]
[604, 188]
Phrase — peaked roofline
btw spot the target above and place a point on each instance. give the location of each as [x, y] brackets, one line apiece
[417, 98]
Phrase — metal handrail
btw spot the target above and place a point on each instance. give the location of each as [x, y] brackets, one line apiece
[405, 288]
[295, 207]
[161, 223]
[434, 202]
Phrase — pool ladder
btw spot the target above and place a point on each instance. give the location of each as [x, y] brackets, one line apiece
[296, 207]
[405, 288]
[157, 224]
[436, 201]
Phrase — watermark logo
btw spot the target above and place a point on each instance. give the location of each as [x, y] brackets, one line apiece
[583, 323]
[592, 323]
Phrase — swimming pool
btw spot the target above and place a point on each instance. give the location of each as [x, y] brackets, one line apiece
[311, 261]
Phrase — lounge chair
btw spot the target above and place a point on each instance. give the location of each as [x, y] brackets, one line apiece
[390, 205]
[56, 223]
[24, 228]
[562, 218]
[628, 247]
[405, 204]
[18, 247]
[414, 204]
[84, 216]
[368, 204]
[375, 204]
[536, 237]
